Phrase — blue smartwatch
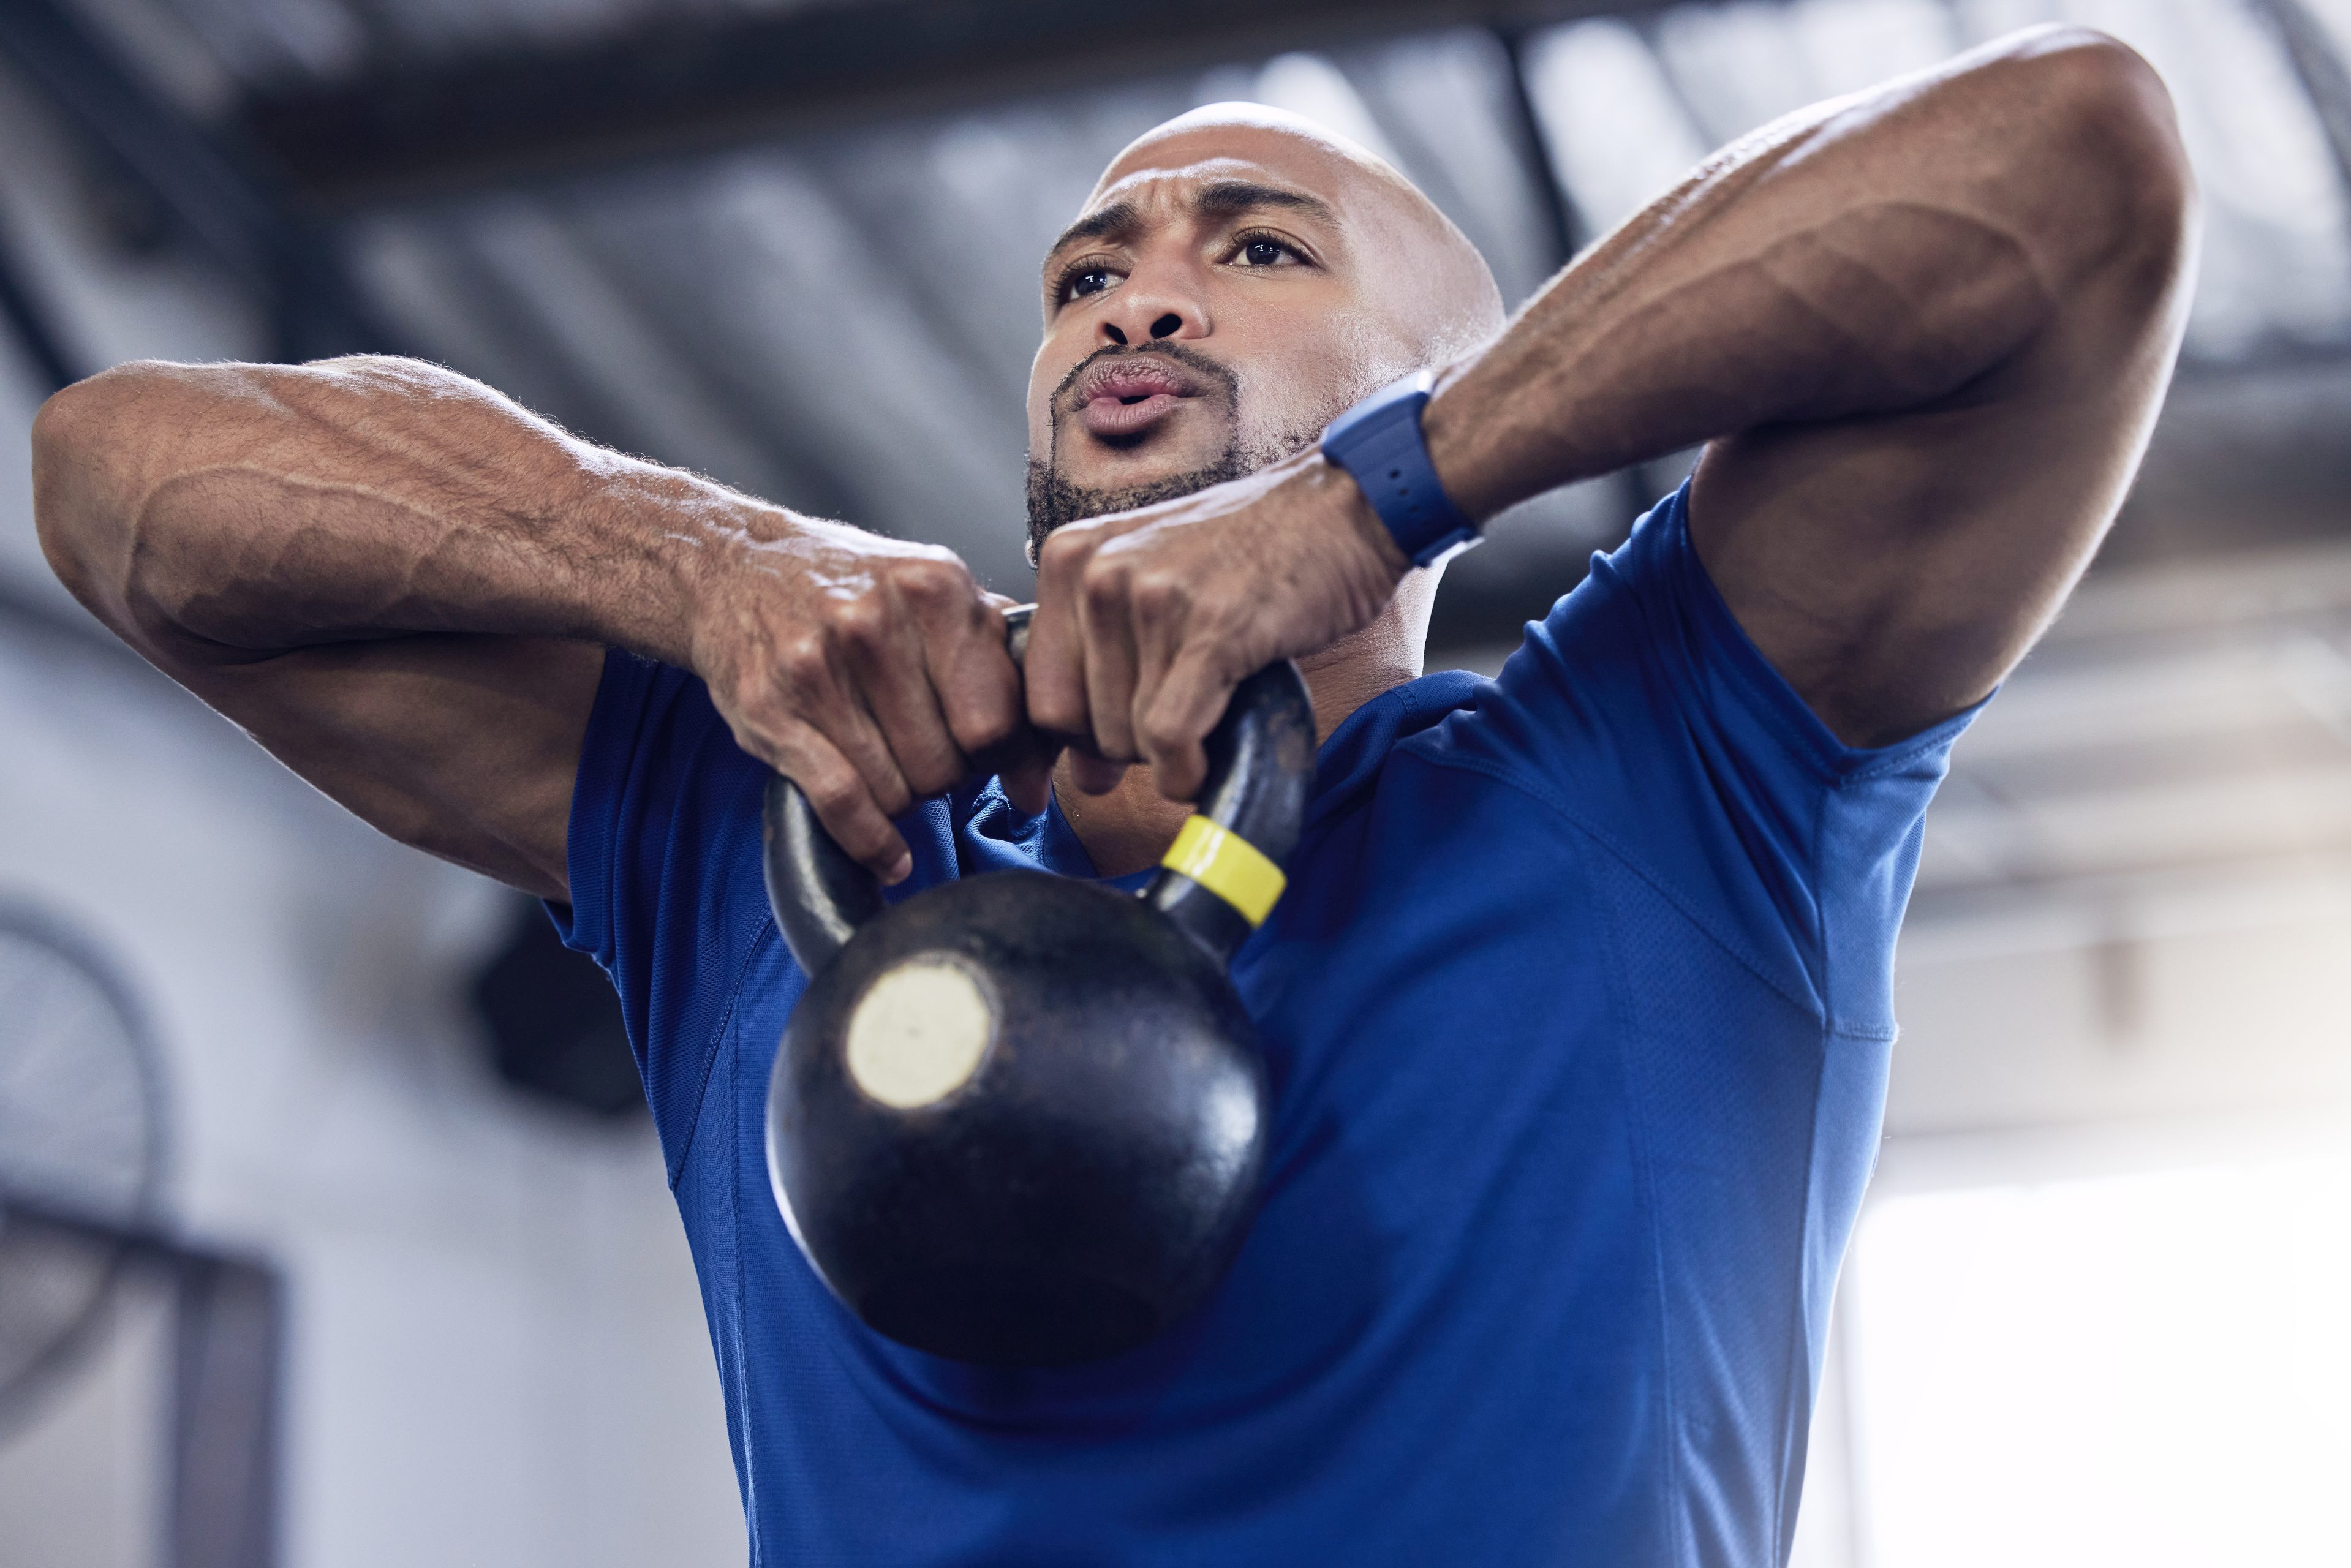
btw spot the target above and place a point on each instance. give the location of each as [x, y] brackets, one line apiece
[1379, 442]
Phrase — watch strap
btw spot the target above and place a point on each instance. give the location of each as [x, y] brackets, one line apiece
[1379, 442]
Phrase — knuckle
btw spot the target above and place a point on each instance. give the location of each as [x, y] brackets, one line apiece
[803, 663]
[834, 792]
[1161, 592]
[978, 728]
[1164, 735]
[931, 581]
[1106, 585]
[859, 622]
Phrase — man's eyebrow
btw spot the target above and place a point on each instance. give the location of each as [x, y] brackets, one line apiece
[1218, 198]
[1109, 220]
[1226, 198]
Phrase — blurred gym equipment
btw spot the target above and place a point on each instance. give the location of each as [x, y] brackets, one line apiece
[82, 1147]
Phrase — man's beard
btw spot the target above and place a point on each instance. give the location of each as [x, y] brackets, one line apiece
[1054, 500]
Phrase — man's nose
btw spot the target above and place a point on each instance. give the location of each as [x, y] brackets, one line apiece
[1138, 313]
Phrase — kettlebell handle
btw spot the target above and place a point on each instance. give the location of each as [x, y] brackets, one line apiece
[1260, 767]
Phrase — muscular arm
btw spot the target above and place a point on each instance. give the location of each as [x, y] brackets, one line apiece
[400, 583]
[1923, 331]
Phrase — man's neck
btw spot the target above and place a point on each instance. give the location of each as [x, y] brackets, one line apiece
[1128, 829]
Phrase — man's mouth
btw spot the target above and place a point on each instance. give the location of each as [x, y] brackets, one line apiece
[1125, 396]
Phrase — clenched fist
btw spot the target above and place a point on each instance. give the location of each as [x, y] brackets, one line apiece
[871, 672]
[1147, 619]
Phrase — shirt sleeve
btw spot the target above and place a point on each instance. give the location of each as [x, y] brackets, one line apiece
[1641, 709]
[663, 855]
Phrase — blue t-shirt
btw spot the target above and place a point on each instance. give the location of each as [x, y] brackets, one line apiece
[1577, 1012]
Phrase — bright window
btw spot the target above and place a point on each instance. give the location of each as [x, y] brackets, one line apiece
[2149, 1370]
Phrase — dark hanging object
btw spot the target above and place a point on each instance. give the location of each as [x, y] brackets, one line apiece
[555, 1024]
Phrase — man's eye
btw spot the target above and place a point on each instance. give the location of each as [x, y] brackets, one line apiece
[1264, 252]
[1093, 280]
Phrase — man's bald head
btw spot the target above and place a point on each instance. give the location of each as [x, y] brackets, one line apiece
[1441, 288]
[1239, 277]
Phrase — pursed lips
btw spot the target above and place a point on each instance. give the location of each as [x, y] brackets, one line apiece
[1122, 397]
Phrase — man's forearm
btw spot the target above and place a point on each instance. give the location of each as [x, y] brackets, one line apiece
[226, 512]
[1867, 255]
[244, 525]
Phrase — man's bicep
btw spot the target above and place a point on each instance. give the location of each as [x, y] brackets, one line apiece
[1894, 569]
[1895, 558]
[464, 747]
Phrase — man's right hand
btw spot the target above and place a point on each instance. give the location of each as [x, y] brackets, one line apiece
[871, 672]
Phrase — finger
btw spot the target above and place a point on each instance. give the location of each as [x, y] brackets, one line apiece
[814, 690]
[1162, 623]
[1094, 774]
[1023, 760]
[1024, 764]
[1106, 625]
[845, 803]
[976, 683]
[1191, 700]
[1053, 673]
[893, 677]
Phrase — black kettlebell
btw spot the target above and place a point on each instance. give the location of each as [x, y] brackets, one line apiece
[1020, 1119]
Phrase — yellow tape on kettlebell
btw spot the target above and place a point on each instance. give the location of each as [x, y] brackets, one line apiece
[1227, 865]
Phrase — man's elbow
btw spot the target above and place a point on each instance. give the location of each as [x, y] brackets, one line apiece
[84, 460]
[69, 441]
[2103, 131]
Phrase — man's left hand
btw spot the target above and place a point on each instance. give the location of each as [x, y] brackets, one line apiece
[1147, 619]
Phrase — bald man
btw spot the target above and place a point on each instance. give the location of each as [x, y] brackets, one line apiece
[1578, 1008]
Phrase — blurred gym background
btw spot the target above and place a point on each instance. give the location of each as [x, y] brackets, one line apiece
[330, 1229]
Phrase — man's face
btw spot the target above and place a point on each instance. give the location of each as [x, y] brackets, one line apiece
[1219, 301]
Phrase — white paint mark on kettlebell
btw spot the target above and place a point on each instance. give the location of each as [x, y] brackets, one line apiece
[918, 1034]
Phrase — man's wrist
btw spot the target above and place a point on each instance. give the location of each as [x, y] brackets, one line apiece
[1442, 427]
[676, 547]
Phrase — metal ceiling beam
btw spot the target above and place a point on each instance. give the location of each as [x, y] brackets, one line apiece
[213, 192]
[1562, 224]
[684, 85]
[209, 198]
